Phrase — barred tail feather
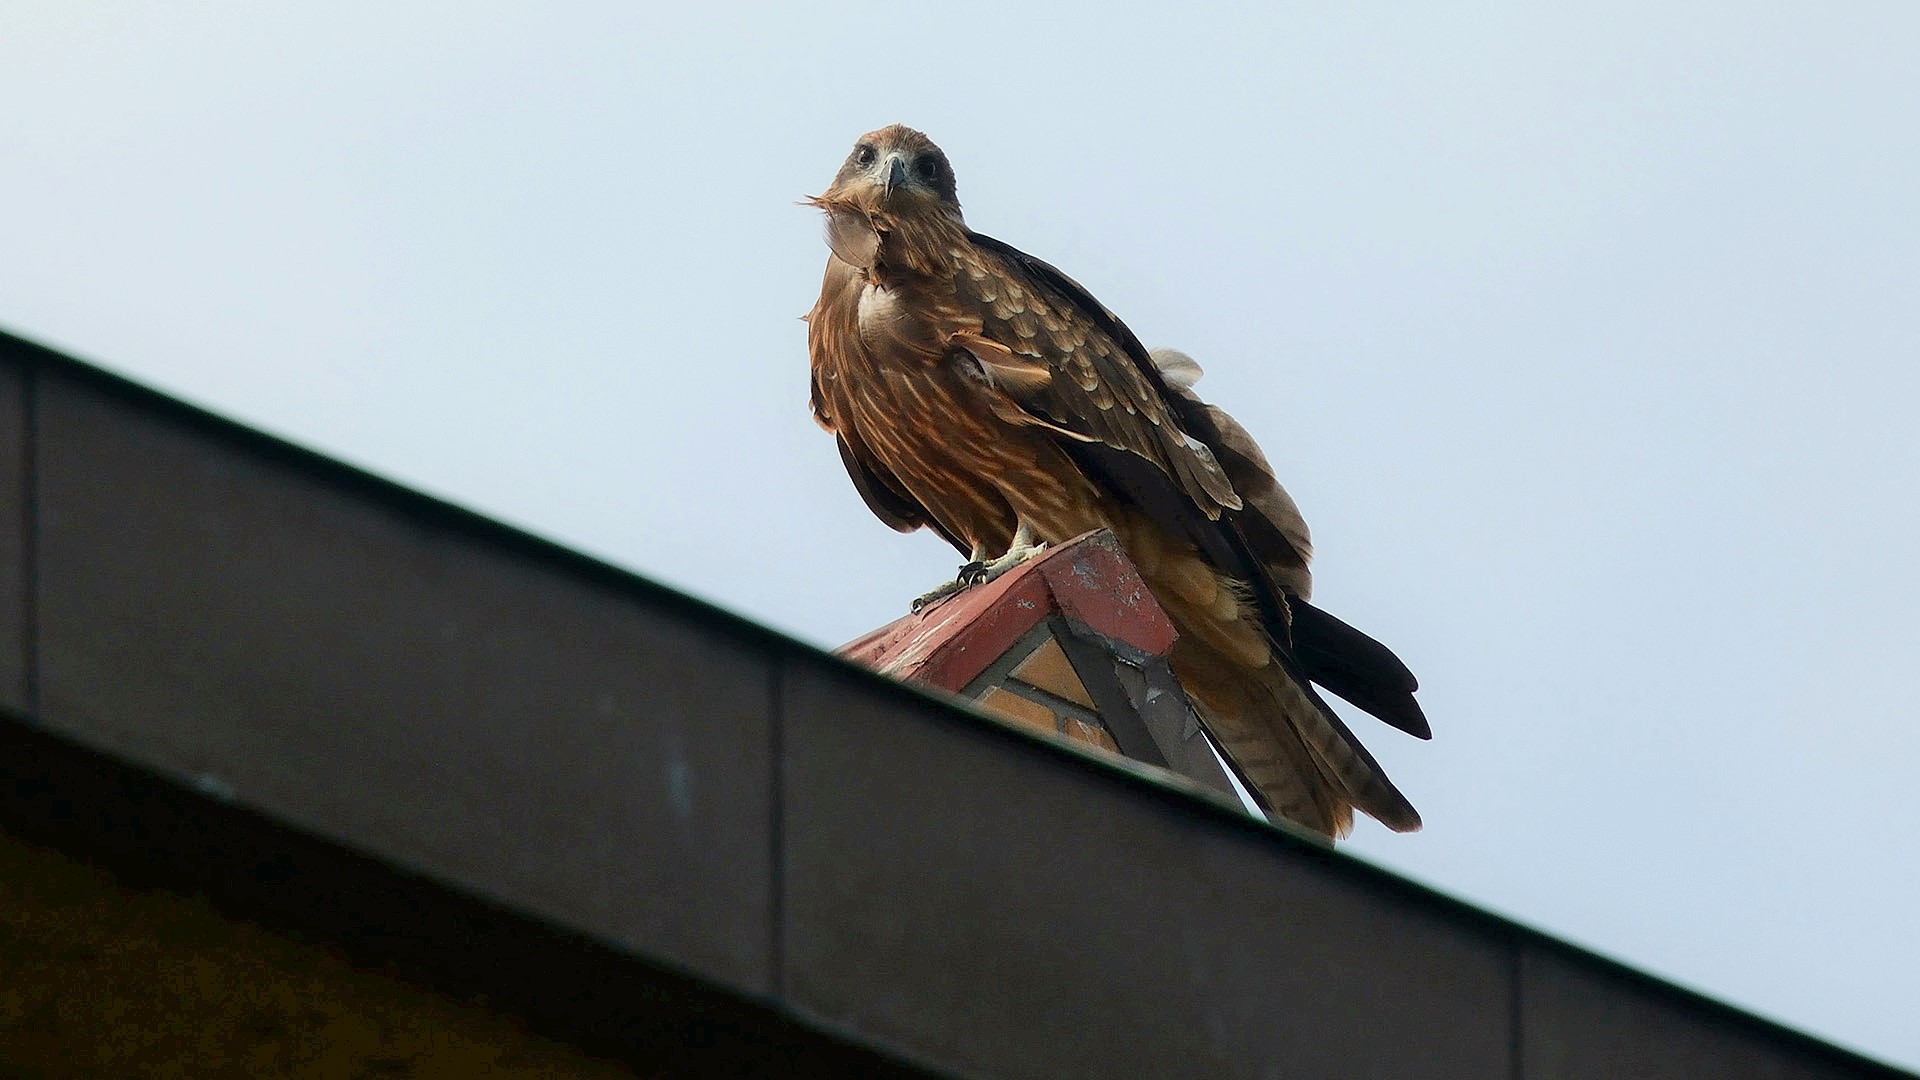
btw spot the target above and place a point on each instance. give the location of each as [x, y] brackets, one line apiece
[1293, 750]
[1299, 758]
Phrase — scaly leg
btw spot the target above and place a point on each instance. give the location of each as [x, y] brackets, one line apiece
[966, 576]
[978, 571]
[1023, 548]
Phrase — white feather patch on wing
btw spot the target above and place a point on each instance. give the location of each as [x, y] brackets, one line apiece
[1177, 368]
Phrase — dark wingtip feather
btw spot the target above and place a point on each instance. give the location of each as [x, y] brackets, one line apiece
[1397, 709]
[1356, 668]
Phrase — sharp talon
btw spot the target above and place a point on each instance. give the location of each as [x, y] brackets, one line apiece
[978, 571]
[1021, 551]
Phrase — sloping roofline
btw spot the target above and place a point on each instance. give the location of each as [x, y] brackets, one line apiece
[830, 826]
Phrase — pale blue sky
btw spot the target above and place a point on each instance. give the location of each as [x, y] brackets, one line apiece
[1586, 338]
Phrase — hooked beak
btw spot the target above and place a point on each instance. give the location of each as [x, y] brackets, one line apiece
[896, 173]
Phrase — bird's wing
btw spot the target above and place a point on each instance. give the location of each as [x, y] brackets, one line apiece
[1331, 653]
[1077, 366]
[883, 492]
[885, 495]
[1190, 466]
[1275, 533]
[1356, 668]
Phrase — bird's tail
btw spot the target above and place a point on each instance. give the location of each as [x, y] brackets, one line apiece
[1296, 755]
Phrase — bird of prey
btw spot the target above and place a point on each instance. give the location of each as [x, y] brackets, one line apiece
[975, 390]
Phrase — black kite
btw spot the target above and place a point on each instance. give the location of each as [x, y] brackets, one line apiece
[980, 392]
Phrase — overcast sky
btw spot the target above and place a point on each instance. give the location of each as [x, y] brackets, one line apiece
[1586, 340]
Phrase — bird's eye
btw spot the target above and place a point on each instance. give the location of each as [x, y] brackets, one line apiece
[928, 168]
[863, 155]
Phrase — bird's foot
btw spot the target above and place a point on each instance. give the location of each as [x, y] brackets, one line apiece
[979, 572]
[1020, 552]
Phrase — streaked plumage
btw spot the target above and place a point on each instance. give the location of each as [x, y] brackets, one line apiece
[976, 390]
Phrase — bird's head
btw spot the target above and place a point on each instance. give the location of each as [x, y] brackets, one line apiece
[896, 169]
